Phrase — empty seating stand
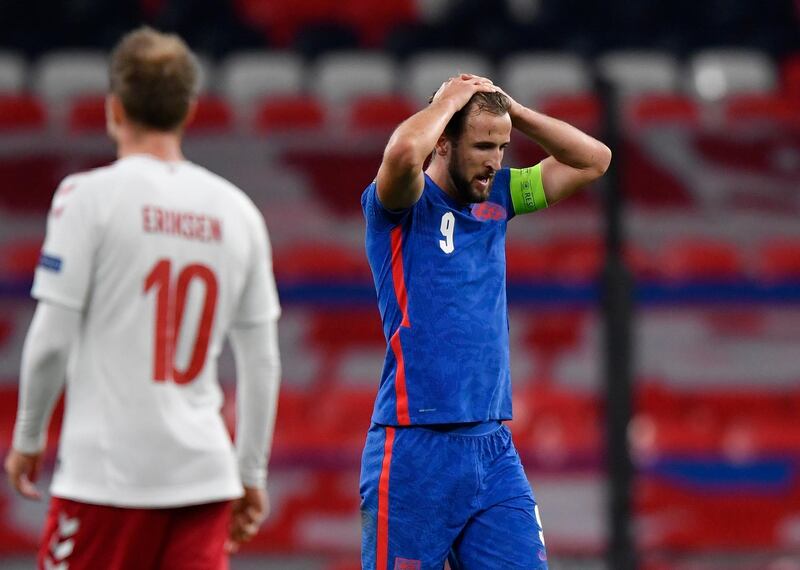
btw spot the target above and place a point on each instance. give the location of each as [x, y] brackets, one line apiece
[341, 77]
[716, 74]
[533, 77]
[425, 73]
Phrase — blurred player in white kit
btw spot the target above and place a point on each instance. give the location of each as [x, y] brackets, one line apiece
[149, 264]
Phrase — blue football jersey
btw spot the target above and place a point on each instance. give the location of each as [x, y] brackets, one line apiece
[440, 275]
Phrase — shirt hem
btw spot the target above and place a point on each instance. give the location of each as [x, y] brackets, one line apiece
[161, 498]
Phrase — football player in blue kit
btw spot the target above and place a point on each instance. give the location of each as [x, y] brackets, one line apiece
[440, 477]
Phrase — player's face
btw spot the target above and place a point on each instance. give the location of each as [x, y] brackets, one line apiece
[478, 155]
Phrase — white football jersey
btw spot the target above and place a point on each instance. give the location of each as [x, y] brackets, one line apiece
[163, 259]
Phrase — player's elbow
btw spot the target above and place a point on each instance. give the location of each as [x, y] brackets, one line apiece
[601, 159]
[402, 155]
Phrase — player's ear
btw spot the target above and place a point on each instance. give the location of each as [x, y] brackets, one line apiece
[443, 145]
[115, 115]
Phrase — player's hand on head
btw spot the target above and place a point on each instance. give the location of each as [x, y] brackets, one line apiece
[23, 470]
[515, 106]
[246, 517]
[462, 87]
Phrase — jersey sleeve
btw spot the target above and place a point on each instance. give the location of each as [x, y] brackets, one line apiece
[259, 301]
[378, 217]
[501, 193]
[64, 273]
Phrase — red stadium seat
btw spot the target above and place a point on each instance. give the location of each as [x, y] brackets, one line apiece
[280, 20]
[18, 258]
[213, 116]
[374, 20]
[790, 76]
[289, 113]
[524, 261]
[320, 262]
[660, 109]
[558, 425]
[30, 180]
[583, 111]
[379, 113]
[763, 107]
[21, 113]
[87, 114]
[779, 259]
[567, 259]
[700, 259]
[336, 330]
[325, 168]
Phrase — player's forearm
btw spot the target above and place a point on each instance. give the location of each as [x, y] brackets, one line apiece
[414, 140]
[44, 364]
[258, 372]
[567, 144]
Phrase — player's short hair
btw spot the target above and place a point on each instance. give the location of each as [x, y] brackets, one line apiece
[493, 102]
[155, 75]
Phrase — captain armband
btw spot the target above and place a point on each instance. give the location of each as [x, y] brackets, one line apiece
[527, 192]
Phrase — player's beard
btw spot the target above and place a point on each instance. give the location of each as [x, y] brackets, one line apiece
[465, 192]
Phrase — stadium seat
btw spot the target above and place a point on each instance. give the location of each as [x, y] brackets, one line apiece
[648, 110]
[247, 77]
[289, 113]
[342, 76]
[87, 114]
[324, 168]
[213, 116]
[779, 259]
[374, 20]
[576, 259]
[18, 258]
[716, 74]
[790, 76]
[320, 262]
[379, 113]
[700, 259]
[60, 76]
[346, 328]
[583, 111]
[562, 259]
[523, 265]
[425, 72]
[12, 72]
[777, 109]
[281, 20]
[640, 72]
[21, 113]
[529, 77]
[30, 181]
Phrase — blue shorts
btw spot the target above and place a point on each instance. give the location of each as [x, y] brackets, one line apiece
[430, 494]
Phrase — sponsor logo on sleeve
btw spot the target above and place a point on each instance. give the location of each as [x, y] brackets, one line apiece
[50, 262]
